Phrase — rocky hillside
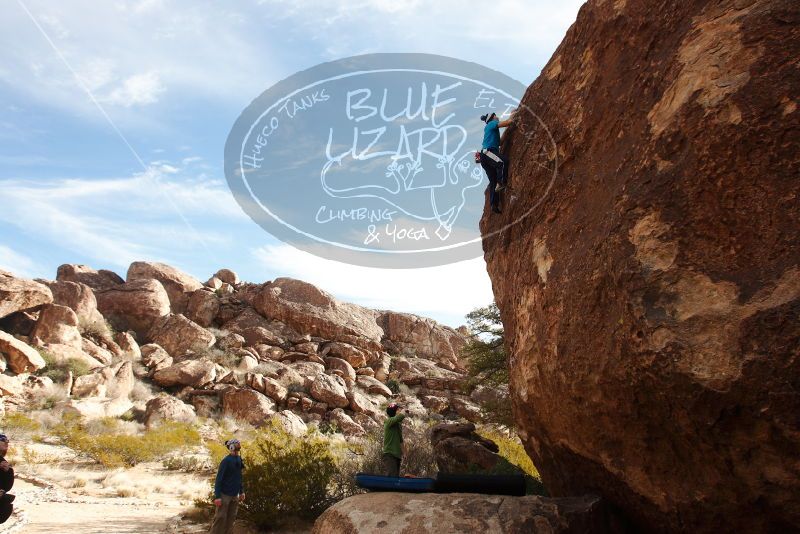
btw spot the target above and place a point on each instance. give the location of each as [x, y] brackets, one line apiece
[282, 349]
[651, 301]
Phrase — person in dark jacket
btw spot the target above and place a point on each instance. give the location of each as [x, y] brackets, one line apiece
[393, 440]
[228, 489]
[6, 481]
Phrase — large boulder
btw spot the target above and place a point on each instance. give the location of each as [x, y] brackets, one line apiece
[330, 389]
[345, 424]
[19, 294]
[57, 324]
[650, 294]
[113, 381]
[167, 408]
[97, 280]
[133, 305]
[290, 422]
[177, 335]
[202, 307]
[226, 276]
[428, 513]
[247, 405]
[80, 298]
[19, 356]
[178, 284]
[459, 449]
[195, 373]
[307, 308]
[411, 335]
[155, 357]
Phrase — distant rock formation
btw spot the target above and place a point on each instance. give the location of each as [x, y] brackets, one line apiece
[284, 349]
[651, 301]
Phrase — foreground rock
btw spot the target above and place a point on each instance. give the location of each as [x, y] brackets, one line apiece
[459, 449]
[19, 294]
[650, 301]
[431, 513]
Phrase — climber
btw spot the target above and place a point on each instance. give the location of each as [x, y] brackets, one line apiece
[393, 440]
[495, 165]
[6, 481]
[228, 489]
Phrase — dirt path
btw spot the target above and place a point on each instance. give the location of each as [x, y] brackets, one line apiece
[49, 509]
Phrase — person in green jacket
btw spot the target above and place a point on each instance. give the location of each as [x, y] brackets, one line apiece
[393, 440]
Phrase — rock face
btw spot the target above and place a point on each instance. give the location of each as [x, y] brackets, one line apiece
[19, 294]
[178, 285]
[459, 449]
[461, 512]
[167, 408]
[650, 297]
[247, 405]
[176, 334]
[19, 357]
[97, 280]
[80, 298]
[58, 325]
[307, 308]
[409, 334]
[134, 305]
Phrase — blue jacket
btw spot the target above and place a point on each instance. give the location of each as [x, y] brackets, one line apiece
[229, 477]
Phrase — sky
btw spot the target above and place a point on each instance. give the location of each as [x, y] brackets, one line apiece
[114, 115]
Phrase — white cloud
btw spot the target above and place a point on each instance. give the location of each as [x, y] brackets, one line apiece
[445, 293]
[119, 220]
[140, 89]
[17, 263]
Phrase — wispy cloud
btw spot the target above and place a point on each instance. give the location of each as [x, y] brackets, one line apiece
[17, 263]
[119, 220]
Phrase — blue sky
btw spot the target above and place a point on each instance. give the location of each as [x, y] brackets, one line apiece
[114, 115]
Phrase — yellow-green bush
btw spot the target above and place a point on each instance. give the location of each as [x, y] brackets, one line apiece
[17, 422]
[511, 449]
[105, 443]
[57, 370]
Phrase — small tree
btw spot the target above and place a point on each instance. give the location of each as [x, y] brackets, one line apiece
[487, 361]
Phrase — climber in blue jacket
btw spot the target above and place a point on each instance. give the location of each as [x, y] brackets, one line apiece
[495, 165]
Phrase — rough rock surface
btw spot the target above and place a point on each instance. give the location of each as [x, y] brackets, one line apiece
[425, 338]
[459, 449]
[178, 284]
[202, 307]
[81, 299]
[427, 513]
[650, 297]
[57, 324]
[97, 280]
[330, 389]
[19, 294]
[176, 334]
[133, 305]
[247, 405]
[307, 308]
[167, 408]
[19, 356]
[193, 373]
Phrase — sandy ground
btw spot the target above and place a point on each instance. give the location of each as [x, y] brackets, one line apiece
[60, 493]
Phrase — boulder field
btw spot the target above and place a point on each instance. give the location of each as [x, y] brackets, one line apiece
[284, 349]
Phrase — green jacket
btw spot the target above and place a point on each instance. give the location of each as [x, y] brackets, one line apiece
[393, 435]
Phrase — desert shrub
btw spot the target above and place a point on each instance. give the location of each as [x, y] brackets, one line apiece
[57, 370]
[394, 386]
[286, 477]
[514, 459]
[106, 443]
[95, 328]
[218, 356]
[297, 387]
[15, 422]
[187, 463]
